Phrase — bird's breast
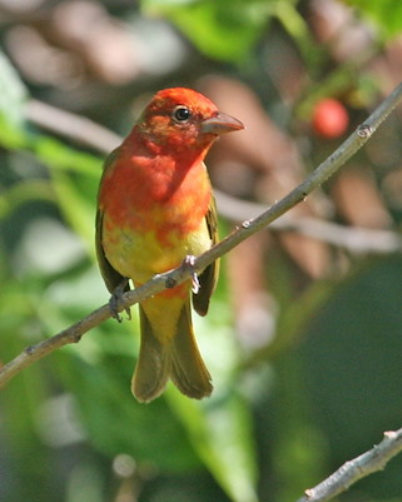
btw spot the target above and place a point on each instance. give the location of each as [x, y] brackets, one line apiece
[152, 220]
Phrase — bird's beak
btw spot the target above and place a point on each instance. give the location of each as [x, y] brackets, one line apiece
[220, 124]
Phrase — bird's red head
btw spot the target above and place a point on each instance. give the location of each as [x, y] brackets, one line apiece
[180, 117]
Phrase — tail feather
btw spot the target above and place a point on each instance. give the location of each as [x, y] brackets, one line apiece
[178, 359]
[153, 367]
[188, 371]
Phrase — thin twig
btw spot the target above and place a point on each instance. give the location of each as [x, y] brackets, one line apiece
[247, 228]
[360, 467]
[77, 128]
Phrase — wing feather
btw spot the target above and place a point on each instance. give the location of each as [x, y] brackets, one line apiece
[209, 277]
[112, 278]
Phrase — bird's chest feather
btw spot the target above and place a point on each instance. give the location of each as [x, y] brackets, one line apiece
[153, 219]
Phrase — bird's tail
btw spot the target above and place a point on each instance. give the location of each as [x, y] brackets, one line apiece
[177, 358]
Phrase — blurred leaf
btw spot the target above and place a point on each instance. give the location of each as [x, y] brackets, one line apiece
[23, 192]
[61, 156]
[117, 423]
[77, 210]
[386, 15]
[47, 248]
[222, 29]
[12, 92]
[292, 321]
[297, 27]
[221, 433]
[298, 450]
[11, 135]
[54, 153]
[76, 197]
[352, 360]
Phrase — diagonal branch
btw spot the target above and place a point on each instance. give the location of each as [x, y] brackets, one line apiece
[324, 171]
[353, 470]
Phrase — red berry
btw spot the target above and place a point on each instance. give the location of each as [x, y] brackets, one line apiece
[330, 118]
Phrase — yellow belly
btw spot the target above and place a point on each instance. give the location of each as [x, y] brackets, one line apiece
[141, 255]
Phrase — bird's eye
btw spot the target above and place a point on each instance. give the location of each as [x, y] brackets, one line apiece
[181, 114]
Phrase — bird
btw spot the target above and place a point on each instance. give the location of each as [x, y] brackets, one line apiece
[155, 211]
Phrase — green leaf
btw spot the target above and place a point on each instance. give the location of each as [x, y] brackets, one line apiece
[77, 210]
[12, 92]
[353, 356]
[54, 153]
[221, 29]
[386, 15]
[116, 423]
[75, 177]
[60, 156]
[221, 433]
[22, 192]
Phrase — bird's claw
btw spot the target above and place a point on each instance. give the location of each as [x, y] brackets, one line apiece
[116, 299]
[189, 263]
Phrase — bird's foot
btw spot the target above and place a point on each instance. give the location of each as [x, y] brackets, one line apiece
[117, 298]
[189, 263]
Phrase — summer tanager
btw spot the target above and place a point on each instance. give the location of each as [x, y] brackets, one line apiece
[155, 208]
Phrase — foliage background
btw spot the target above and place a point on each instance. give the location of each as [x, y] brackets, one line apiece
[303, 338]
